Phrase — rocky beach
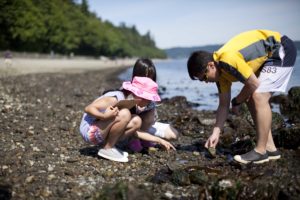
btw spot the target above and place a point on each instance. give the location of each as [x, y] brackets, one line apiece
[44, 157]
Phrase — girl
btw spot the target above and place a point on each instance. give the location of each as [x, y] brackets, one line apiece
[105, 124]
[145, 68]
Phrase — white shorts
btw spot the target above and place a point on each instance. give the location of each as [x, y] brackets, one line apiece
[158, 129]
[274, 79]
[275, 75]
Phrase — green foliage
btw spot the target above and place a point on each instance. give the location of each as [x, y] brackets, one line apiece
[64, 26]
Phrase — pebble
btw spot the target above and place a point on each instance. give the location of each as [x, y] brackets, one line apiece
[51, 177]
[169, 195]
[29, 179]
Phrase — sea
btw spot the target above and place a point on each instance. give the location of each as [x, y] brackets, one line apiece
[173, 79]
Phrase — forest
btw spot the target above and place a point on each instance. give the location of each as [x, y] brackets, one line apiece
[67, 26]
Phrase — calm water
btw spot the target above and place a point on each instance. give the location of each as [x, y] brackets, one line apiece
[173, 75]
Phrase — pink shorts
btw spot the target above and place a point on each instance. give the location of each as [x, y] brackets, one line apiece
[93, 135]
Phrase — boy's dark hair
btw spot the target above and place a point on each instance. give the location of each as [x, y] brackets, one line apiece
[144, 67]
[197, 62]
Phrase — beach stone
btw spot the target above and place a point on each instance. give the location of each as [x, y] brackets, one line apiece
[212, 152]
[30, 179]
[225, 189]
[198, 177]
[180, 177]
[208, 122]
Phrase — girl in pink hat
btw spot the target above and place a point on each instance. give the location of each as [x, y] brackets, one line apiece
[105, 124]
[144, 67]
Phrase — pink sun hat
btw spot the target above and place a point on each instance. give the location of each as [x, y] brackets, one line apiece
[143, 87]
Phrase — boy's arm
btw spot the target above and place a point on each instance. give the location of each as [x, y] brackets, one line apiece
[251, 84]
[222, 112]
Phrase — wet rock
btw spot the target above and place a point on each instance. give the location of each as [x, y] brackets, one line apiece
[181, 178]
[161, 176]
[212, 152]
[291, 108]
[198, 177]
[226, 138]
[122, 190]
[225, 189]
[242, 146]
[288, 138]
[277, 121]
[242, 126]
[279, 99]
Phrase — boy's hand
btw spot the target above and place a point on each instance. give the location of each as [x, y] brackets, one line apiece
[212, 141]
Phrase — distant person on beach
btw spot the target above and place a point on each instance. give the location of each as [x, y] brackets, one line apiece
[144, 67]
[7, 58]
[105, 124]
[263, 61]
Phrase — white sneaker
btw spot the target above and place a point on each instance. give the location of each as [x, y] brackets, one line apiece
[112, 154]
[124, 153]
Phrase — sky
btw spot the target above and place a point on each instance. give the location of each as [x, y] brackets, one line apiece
[188, 23]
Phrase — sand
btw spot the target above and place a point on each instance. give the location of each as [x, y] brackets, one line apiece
[20, 66]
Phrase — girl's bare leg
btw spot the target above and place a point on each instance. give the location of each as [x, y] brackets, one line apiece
[118, 128]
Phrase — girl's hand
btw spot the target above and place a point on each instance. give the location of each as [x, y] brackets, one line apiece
[111, 112]
[167, 145]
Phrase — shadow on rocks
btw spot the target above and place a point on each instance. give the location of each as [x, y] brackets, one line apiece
[5, 191]
[89, 151]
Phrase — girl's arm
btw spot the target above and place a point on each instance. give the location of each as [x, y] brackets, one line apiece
[148, 137]
[104, 103]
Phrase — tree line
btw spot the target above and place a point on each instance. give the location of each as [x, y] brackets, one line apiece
[65, 27]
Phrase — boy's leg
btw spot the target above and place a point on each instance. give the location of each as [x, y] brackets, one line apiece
[270, 144]
[263, 121]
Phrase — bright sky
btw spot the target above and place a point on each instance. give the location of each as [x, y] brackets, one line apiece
[187, 23]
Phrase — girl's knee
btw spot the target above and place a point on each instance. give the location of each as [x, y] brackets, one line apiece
[124, 115]
[136, 122]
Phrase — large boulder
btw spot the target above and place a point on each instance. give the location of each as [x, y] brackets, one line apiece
[288, 138]
[291, 107]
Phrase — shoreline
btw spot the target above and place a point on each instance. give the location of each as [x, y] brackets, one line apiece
[22, 66]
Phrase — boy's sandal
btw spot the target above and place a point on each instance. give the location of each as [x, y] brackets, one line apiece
[252, 157]
[274, 155]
